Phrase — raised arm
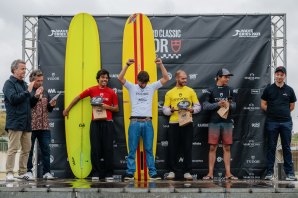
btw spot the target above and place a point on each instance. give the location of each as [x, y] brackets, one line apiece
[123, 71]
[165, 77]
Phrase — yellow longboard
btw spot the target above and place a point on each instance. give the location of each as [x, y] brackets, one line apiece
[82, 61]
[138, 43]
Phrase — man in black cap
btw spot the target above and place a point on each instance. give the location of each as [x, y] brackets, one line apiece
[278, 100]
[220, 102]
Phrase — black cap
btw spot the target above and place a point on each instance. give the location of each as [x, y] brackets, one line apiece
[281, 68]
[224, 72]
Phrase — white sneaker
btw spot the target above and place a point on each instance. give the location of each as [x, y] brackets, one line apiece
[170, 176]
[95, 178]
[187, 176]
[10, 177]
[48, 176]
[27, 176]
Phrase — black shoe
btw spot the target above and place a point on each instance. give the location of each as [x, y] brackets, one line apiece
[128, 177]
[155, 177]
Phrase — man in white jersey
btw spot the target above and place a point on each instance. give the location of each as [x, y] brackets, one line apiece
[141, 96]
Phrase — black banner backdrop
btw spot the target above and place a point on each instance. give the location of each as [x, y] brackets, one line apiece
[200, 45]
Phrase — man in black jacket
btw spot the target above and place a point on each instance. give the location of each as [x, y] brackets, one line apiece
[18, 103]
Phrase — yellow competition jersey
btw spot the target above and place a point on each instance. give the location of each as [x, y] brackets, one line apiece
[177, 94]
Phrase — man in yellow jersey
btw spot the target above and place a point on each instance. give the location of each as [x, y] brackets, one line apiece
[180, 136]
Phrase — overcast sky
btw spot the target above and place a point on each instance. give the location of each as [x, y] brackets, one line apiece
[12, 11]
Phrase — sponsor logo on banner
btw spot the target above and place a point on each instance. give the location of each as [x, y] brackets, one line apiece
[170, 75]
[219, 159]
[56, 109]
[165, 126]
[235, 91]
[53, 77]
[160, 104]
[168, 43]
[117, 90]
[253, 160]
[251, 175]
[53, 91]
[114, 75]
[193, 76]
[58, 33]
[255, 125]
[251, 144]
[51, 124]
[164, 143]
[181, 159]
[51, 159]
[251, 107]
[205, 91]
[198, 161]
[255, 91]
[203, 125]
[246, 33]
[123, 161]
[197, 143]
[157, 160]
[252, 77]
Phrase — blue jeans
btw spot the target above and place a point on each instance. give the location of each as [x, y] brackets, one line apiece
[135, 130]
[284, 129]
[44, 140]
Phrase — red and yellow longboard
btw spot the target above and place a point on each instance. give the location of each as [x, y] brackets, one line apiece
[138, 43]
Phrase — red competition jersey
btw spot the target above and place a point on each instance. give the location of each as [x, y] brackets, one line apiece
[108, 94]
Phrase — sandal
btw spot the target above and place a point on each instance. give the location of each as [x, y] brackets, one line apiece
[232, 177]
[207, 177]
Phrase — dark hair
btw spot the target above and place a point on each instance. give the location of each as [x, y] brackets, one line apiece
[101, 73]
[143, 77]
[35, 73]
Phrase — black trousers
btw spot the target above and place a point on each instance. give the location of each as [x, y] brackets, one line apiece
[180, 139]
[101, 139]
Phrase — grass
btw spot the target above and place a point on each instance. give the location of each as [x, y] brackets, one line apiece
[2, 122]
[295, 138]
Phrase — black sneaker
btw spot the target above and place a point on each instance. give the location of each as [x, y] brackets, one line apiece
[291, 177]
[128, 177]
[155, 177]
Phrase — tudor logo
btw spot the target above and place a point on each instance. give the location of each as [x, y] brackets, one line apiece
[181, 159]
[176, 45]
[168, 43]
[253, 160]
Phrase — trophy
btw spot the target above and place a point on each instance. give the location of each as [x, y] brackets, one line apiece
[184, 116]
[99, 113]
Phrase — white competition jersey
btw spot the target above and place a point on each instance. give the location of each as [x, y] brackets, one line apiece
[141, 99]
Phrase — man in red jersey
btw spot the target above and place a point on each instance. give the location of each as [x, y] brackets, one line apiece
[101, 131]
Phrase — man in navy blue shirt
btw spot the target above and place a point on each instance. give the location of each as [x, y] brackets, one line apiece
[218, 97]
[278, 100]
